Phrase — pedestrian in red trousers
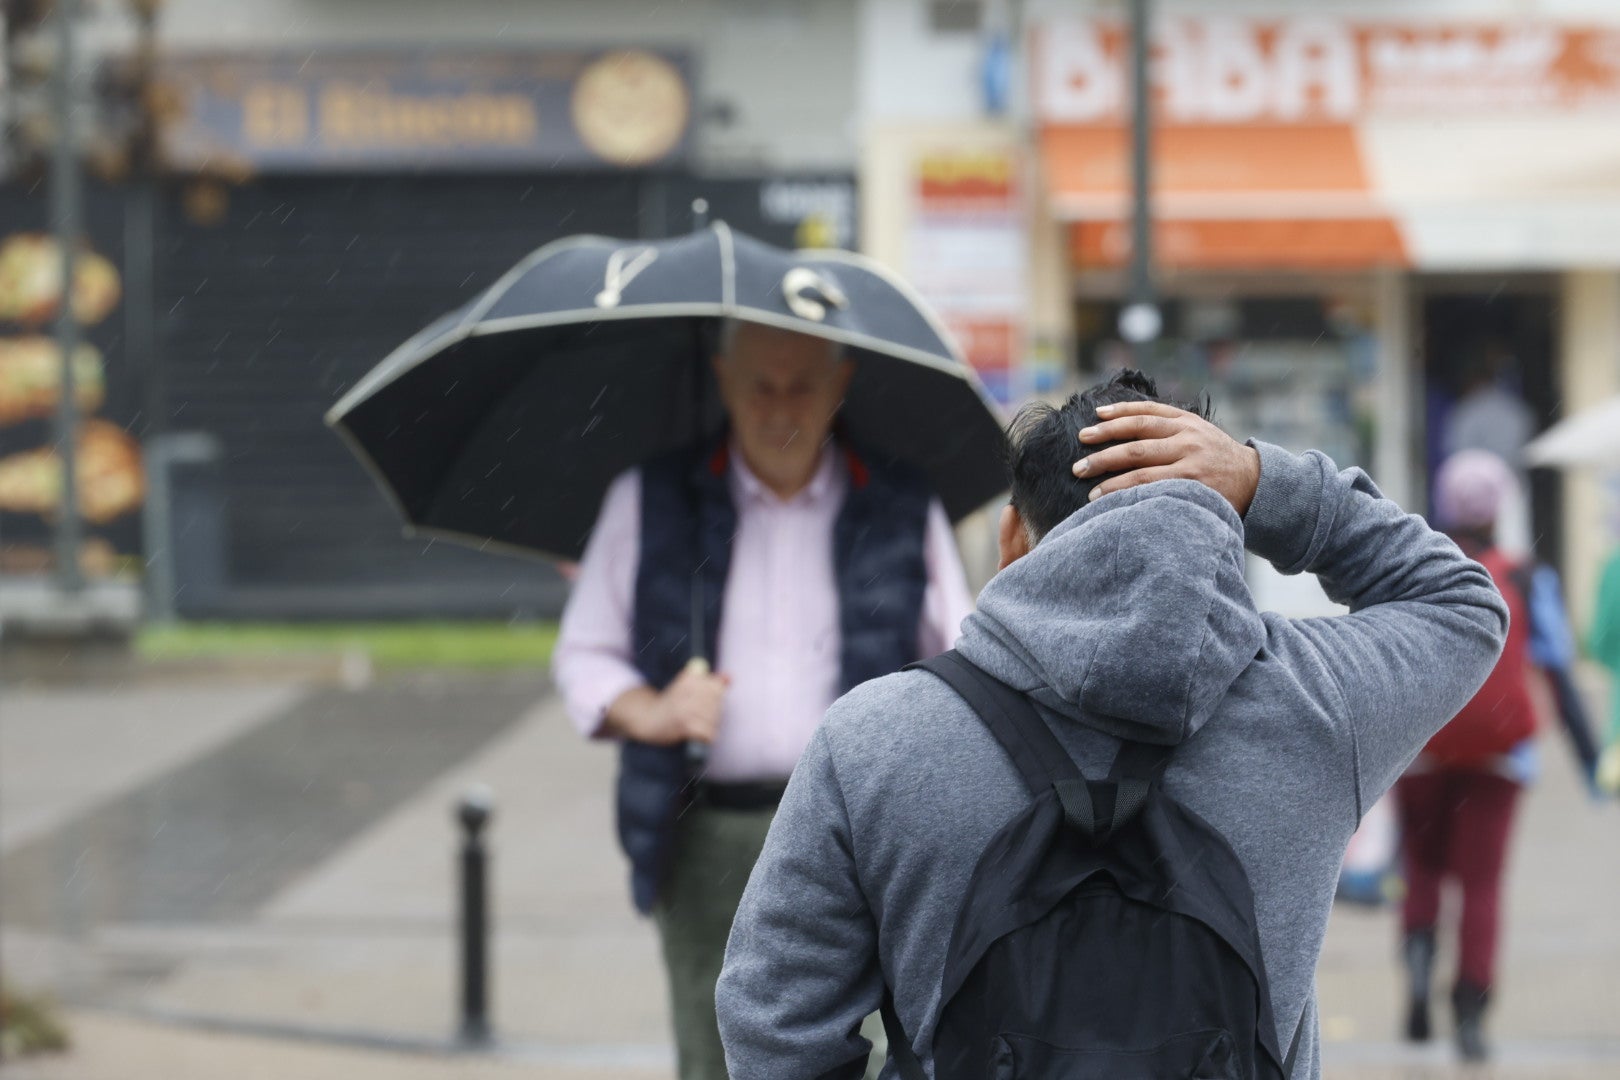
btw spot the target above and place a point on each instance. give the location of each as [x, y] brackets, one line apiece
[1456, 803]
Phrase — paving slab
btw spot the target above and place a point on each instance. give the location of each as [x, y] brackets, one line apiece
[63, 751]
[215, 836]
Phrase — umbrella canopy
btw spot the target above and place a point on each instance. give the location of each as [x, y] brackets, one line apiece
[505, 421]
[1590, 437]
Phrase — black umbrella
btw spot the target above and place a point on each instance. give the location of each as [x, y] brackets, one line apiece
[505, 421]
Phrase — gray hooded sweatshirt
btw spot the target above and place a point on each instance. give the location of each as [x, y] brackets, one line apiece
[1130, 619]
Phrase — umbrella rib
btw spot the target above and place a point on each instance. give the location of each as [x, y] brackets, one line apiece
[728, 267]
[369, 463]
[504, 283]
[383, 374]
[480, 542]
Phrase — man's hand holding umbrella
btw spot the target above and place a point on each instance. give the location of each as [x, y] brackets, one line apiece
[687, 710]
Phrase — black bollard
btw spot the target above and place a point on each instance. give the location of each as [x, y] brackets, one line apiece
[473, 813]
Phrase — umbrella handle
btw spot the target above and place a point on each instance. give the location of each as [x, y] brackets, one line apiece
[697, 753]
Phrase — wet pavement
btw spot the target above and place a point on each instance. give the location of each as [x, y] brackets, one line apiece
[275, 891]
[218, 835]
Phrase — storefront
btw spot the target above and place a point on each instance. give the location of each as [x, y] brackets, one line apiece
[322, 209]
[1355, 223]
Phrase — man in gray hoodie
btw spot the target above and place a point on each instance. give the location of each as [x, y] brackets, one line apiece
[1121, 608]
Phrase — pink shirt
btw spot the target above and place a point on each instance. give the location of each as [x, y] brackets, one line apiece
[779, 636]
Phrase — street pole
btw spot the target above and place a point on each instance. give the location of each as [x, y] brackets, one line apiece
[1140, 321]
[67, 209]
[140, 269]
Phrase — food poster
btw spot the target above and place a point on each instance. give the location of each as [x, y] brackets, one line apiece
[111, 478]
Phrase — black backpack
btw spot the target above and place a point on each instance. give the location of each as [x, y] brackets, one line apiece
[1107, 932]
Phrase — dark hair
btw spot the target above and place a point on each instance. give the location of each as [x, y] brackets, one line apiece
[1043, 444]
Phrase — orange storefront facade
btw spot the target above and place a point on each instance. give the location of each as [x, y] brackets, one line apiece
[1351, 217]
[1370, 142]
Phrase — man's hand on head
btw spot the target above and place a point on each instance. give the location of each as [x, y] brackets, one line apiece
[1162, 442]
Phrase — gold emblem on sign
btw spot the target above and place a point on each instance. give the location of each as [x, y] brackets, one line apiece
[816, 231]
[631, 107]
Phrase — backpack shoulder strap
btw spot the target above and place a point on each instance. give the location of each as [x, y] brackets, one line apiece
[1011, 718]
[1140, 761]
[1137, 767]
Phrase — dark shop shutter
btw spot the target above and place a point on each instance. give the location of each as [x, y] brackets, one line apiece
[270, 311]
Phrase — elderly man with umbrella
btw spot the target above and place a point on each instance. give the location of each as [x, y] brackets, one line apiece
[772, 447]
[831, 568]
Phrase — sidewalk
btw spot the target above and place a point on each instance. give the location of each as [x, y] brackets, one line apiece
[366, 941]
[360, 943]
[1560, 963]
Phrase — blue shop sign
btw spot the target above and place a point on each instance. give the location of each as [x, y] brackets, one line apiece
[357, 110]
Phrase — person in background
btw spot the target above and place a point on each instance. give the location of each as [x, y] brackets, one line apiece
[823, 568]
[1489, 416]
[1456, 803]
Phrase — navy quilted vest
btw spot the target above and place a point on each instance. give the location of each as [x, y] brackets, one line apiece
[687, 522]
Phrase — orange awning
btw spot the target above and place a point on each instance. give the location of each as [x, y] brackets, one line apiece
[1238, 244]
[1239, 196]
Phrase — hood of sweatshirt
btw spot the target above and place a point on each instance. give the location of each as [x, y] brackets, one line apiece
[1131, 617]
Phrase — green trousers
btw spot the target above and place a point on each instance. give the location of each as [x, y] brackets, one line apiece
[715, 852]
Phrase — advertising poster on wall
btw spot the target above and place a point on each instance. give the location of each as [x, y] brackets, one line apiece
[110, 474]
[967, 252]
